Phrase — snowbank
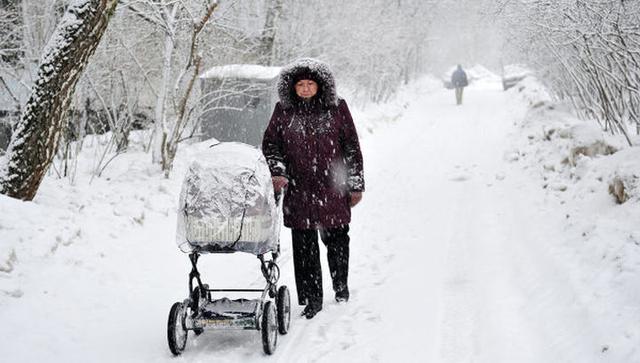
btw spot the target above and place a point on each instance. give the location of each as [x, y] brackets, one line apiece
[532, 92]
[581, 168]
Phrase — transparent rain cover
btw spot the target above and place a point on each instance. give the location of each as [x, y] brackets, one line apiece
[227, 202]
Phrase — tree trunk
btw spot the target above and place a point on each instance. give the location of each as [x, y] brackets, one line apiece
[35, 140]
[269, 32]
[160, 122]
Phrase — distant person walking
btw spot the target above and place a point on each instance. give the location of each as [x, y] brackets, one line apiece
[459, 82]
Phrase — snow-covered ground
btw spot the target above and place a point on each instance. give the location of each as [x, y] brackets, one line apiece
[474, 242]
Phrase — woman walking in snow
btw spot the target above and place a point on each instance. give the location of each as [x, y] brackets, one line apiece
[312, 150]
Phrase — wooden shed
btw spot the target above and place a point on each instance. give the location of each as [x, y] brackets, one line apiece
[238, 100]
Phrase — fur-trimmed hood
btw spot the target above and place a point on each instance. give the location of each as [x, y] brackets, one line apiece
[319, 72]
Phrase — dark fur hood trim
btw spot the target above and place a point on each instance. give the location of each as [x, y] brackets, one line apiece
[319, 71]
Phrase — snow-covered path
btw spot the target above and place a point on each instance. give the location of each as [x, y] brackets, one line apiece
[451, 261]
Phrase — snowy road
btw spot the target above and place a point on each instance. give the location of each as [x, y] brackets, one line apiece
[451, 262]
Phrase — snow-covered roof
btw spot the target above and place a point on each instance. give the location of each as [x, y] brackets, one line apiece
[242, 71]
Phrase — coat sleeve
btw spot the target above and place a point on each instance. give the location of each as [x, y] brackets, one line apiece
[272, 144]
[351, 150]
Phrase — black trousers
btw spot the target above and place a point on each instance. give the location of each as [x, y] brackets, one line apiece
[306, 261]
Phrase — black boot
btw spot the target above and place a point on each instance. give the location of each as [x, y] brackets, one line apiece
[312, 308]
[342, 295]
[337, 242]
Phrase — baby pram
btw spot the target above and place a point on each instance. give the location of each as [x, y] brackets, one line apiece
[227, 205]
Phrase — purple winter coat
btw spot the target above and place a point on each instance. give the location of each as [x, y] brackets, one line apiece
[314, 145]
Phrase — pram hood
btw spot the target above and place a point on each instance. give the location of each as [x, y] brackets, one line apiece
[227, 202]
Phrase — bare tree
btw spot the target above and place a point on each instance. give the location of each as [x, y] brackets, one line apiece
[170, 140]
[589, 53]
[35, 140]
[179, 23]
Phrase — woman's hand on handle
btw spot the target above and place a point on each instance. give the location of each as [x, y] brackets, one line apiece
[356, 197]
[279, 183]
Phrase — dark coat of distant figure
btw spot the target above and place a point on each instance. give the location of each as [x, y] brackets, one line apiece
[459, 81]
[315, 146]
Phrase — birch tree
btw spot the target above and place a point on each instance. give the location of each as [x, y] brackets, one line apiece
[35, 140]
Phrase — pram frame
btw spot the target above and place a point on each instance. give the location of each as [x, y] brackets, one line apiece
[270, 313]
[271, 273]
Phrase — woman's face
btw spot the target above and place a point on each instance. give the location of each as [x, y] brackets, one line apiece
[306, 88]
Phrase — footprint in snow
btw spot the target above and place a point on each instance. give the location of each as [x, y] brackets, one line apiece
[379, 281]
[460, 177]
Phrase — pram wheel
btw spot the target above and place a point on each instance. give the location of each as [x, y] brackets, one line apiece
[176, 332]
[269, 328]
[283, 305]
